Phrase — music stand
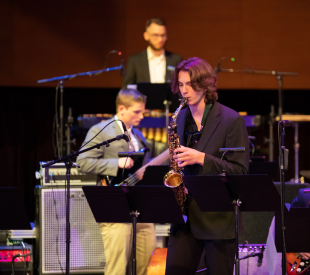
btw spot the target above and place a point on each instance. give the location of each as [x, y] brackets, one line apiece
[297, 228]
[132, 204]
[154, 175]
[234, 193]
[12, 211]
[157, 93]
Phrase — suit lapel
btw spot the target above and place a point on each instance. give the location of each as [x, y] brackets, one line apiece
[145, 66]
[118, 131]
[210, 126]
[168, 63]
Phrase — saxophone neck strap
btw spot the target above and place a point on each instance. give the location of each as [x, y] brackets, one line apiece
[205, 114]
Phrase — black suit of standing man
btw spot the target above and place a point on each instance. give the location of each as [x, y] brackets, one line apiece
[140, 68]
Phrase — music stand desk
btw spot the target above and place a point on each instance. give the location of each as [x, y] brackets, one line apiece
[234, 193]
[297, 230]
[12, 211]
[132, 204]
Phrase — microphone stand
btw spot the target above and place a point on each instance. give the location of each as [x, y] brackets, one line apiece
[236, 202]
[254, 254]
[68, 163]
[61, 83]
[283, 166]
[279, 78]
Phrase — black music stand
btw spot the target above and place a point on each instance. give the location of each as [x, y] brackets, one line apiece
[154, 175]
[133, 204]
[12, 211]
[234, 193]
[157, 93]
[297, 228]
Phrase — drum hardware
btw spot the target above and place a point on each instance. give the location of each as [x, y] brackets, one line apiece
[296, 119]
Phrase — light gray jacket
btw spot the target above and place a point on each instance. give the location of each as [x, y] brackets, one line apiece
[104, 161]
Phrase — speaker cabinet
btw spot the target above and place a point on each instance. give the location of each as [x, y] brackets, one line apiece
[86, 247]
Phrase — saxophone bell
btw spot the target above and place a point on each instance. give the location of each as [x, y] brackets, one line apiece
[173, 179]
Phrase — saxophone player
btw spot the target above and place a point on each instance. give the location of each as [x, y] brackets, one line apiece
[204, 127]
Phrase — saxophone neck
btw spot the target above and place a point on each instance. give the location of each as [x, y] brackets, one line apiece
[175, 115]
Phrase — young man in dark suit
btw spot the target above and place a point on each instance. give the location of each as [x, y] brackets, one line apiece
[151, 65]
[204, 127]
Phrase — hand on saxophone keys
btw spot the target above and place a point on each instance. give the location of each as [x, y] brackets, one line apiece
[188, 156]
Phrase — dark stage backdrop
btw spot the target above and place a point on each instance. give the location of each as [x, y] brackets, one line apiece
[42, 39]
[26, 116]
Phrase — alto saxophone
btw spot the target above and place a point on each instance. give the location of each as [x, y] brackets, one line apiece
[174, 178]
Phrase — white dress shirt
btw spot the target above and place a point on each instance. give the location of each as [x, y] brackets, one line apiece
[133, 138]
[157, 67]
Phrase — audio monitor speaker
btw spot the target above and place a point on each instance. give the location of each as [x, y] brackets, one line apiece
[86, 246]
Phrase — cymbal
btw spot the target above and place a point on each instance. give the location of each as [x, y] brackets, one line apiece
[296, 118]
[305, 173]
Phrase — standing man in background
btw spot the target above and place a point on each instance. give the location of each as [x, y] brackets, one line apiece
[151, 64]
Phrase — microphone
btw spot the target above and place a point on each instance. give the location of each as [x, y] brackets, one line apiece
[217, 68]
[107, 58]
[129, 141]
[260, 257]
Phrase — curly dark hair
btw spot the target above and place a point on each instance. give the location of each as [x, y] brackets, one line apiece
[202, 77]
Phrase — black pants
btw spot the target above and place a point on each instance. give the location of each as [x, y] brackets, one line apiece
[184, 253]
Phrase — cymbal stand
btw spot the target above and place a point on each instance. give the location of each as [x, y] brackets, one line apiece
[270, 140]
[283, 158]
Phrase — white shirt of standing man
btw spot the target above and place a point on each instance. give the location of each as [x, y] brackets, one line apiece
[156, 36]
[157, 67]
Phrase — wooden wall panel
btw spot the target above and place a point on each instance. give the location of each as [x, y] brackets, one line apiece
[48, 39]
[57, 38]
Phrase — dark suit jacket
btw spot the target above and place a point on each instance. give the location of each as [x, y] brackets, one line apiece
[137, 69]
[303, 199]
[224, 128]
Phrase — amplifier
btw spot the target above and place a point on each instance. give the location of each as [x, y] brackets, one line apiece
[20, 263]
[86, 247]
[249, 265]
[56, 175]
